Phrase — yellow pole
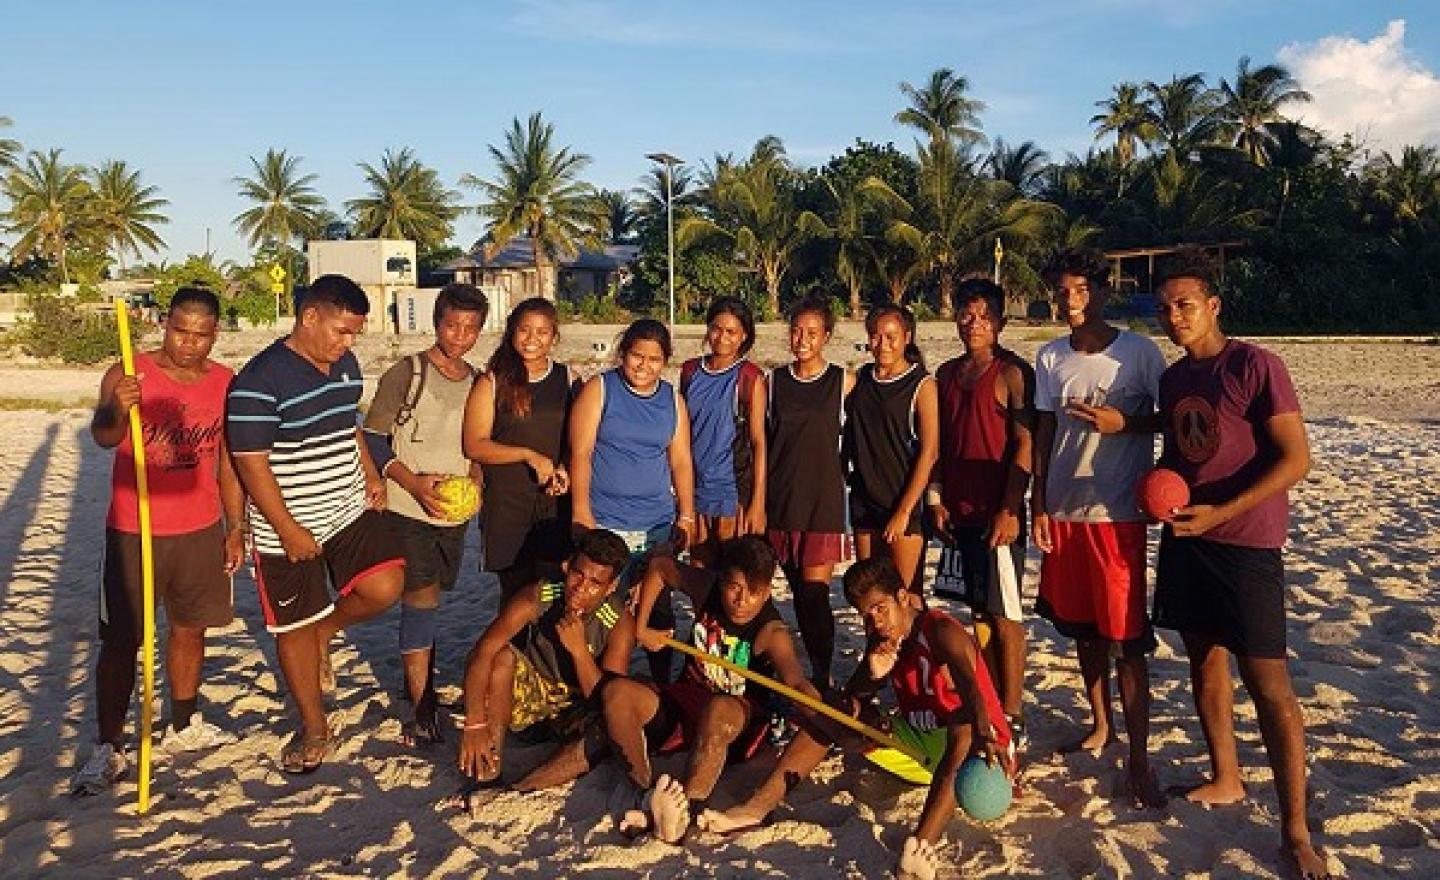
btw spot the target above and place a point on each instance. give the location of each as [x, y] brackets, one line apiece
[147, 565]
[806, 700]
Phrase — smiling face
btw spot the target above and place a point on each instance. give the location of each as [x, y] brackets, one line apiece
[457, 332]
[1078, 300]
[189, 335]
[533, 337]
[808, 337]
[642, 363]
[587, 584]
[741, 599]
[725, 335]
[1188, 313]
[888, 342]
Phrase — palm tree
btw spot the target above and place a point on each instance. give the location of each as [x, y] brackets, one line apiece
[406, 201]
[854, 208]
[125, 211]
[1409, 188]
[9, 148]
[650, 194]
[537, 192]
[1181, 113]
[941, 109]
[1125, 115]
[1021, 167]
[49, 201]
[286, 205]
[958, 216]
[621, 217]
[1253, 103]
[754, 207]
[1185, 203]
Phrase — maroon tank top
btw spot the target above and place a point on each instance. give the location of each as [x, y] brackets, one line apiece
[972, 444]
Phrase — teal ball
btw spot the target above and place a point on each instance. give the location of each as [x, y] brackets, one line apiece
[983, 790]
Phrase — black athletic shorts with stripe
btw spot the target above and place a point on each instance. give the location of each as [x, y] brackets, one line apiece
[297, 594]
[1233, 595]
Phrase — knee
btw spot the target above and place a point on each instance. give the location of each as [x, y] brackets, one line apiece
[616, 697]
[723, 718]
[187, 636]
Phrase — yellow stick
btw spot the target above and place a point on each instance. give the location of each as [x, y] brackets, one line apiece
[803, 699]
[147, 564]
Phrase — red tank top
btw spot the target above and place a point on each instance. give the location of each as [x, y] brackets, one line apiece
[182, 425]
[972, 444]
[924, 693]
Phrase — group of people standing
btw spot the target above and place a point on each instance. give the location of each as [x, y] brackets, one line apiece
[604, 500]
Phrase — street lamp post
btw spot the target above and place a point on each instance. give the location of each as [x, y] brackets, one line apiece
[669, 162]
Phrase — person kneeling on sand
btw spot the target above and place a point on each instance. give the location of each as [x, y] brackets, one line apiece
[946, 705]
[711, 710]
[535, 667]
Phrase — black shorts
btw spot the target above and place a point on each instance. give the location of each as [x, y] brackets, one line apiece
[1233, 595]
[296, 594]
[190, 581]
[432, 553]
[867, 516]
[969, 570]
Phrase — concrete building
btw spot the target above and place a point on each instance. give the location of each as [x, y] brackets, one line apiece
[384, 268]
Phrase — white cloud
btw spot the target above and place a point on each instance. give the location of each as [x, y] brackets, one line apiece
[1375, 89]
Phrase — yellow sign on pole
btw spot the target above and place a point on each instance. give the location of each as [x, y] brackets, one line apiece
[277, 274]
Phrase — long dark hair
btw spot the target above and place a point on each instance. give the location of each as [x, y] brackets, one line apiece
[906, 319]
[507, 368]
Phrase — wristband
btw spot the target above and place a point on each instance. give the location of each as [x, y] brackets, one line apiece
[685, 518]
[479, 725]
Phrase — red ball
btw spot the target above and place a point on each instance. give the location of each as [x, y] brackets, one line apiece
[1161, 492]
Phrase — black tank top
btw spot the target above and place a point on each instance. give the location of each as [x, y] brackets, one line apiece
[540, 644]
[716, 634]
[514, 500]
[805, 485]
[880, 439]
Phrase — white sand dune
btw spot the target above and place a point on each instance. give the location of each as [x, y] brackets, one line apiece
[1364, 636]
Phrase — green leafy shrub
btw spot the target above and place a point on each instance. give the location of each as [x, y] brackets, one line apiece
[59, 327]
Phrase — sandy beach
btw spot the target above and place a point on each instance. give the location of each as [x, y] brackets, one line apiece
[1364, 639]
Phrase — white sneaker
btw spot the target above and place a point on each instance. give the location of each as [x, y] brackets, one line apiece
[106, 766]
[199, 735]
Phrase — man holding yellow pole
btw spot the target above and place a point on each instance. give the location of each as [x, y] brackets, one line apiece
[180, 396]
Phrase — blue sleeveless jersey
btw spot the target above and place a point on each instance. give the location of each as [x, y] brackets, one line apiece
[630, 485]
[711, 400]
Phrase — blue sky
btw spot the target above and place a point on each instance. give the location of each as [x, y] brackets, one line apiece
[188, 91]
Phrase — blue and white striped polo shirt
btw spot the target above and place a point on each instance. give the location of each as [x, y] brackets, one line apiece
[281, 404]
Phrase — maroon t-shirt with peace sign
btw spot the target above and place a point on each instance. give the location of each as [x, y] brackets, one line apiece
[1214, 413]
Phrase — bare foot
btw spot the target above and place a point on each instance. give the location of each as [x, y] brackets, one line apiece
[1145, 792]
[670, 809]
[424, 728]
[1310, 862]
[568, 763]
[730, 821]
[1212, 794]
[1097, 739]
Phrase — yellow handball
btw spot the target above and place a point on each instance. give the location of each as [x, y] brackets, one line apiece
[459, 497]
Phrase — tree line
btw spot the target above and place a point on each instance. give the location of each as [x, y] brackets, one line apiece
[1332, 236]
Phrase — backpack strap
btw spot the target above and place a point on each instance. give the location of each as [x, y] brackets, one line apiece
[687, 374]
[415, 388]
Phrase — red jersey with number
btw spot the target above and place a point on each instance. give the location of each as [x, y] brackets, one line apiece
[924, 693]
[182, 424]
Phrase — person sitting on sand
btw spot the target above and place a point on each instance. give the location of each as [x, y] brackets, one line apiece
[711, 710]
[1233, 431]
[541, 659]
[180, 394]
[946, 704]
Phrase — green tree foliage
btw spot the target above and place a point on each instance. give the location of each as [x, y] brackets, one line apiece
[9, 147]
[941, 108]
[537, 192]
[284, 204]
[198, 270]
[406, 200]
[126, 211]
[50, 201]
[60, 327]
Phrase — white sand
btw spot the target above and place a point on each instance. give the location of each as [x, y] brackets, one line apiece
[1364, 634]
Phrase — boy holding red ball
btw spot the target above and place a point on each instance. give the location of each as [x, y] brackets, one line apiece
[1232, 429]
